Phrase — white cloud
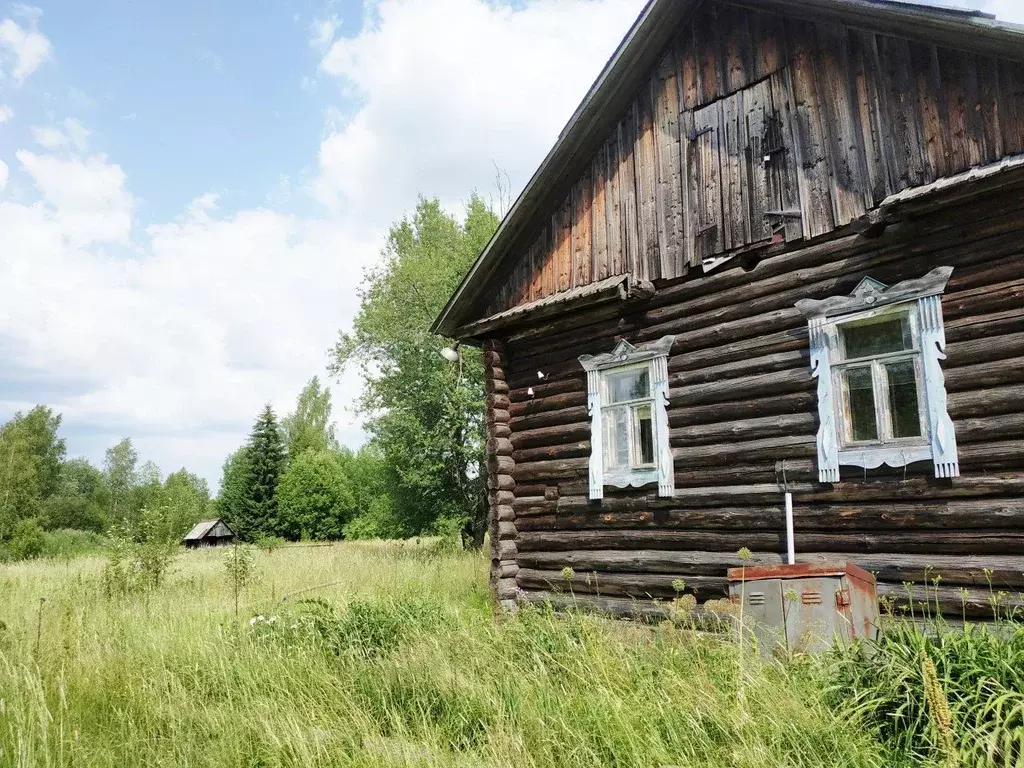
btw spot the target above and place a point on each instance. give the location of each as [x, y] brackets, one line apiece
[323, 31]
[87, 198]
[27, 48]
[4, 173]
[49, 137]
[453, 86]
[72, 135]
[178, 333]
[6, 113]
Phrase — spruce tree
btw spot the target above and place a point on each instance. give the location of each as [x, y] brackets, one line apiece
[264, 464]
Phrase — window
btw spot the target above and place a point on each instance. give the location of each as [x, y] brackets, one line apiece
[879, 375]
[881, 395]
[627, 399]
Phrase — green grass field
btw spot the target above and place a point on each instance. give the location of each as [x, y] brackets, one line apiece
[398, 662]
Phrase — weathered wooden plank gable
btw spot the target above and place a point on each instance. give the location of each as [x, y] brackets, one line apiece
[582, 252]
[866, 72]
[705, 182]
[925, 62]
[649, 256]
[988, 107]
[785, 157]
[851, 193]
[671, 218]
[616, 251]
[563, 245]
[1011, 106]
[629, 212]
[905, 155]
[599, 212]
[811, 138]
[754, 125]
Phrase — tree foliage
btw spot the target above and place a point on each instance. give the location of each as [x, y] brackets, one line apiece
[423, 413]
[310, 427]
[257, 512]
[82, 500]
[230, 503]
[119, 470]
[46, 498]
[315, 496]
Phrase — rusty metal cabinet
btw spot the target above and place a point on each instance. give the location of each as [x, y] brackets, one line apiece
[805, 607]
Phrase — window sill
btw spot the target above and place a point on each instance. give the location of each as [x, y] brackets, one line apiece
[633, 479]
[890, 455]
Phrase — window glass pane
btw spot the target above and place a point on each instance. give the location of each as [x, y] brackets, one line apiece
[891, 334]
[860, 404]
[645, 433]
[616, 438]
[906, 418]
[629, 385]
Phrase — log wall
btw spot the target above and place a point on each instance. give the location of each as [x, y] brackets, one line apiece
[750, 113]
[500, 482]
[743, 420]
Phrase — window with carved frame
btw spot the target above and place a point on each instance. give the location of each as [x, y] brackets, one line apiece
[627, 399]
[881, 395]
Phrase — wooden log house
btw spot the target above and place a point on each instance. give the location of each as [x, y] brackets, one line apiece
[778, 247]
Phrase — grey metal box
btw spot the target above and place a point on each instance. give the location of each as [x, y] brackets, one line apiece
[805, 607]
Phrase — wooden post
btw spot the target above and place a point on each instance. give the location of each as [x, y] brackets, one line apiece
[500, 482]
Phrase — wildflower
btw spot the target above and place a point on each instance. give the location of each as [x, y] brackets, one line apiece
[678, 585]
[744, 554]
[941, 714]
[568, 573]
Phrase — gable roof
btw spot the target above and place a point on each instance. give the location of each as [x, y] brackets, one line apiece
[203, 528]
[629, 67]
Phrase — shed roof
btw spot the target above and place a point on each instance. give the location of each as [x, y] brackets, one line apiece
[202, 528]
[640, 50]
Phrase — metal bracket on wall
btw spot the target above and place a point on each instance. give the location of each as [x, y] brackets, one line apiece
[694, 135]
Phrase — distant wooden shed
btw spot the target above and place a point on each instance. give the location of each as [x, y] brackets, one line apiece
[209, 533]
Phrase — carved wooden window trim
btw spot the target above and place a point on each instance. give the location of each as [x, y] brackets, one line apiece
[650, 358]
[918, 301]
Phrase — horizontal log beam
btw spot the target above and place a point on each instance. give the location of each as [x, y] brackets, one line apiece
[978, 514]
[1001, 573]
[622, 584]
[946, 541]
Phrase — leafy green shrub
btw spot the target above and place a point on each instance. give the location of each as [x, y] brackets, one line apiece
[68, 543]
[269, 543]
[376, 521]
[27, 540]
[141, 553]
[240, 565]
[449, 533]
[901, 684]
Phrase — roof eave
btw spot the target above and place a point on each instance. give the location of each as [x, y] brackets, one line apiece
[638, 51]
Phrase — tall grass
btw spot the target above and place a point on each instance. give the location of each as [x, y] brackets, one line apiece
[944, 696]
[395, 660]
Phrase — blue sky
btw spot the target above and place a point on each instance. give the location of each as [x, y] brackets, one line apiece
[190, 191]
[188, 93]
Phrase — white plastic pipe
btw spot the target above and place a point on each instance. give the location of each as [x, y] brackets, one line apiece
[791, 545]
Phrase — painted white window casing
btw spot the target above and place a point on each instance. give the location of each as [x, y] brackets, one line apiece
[881, 392]
[627, 401]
